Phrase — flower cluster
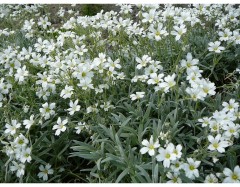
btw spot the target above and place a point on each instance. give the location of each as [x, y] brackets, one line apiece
[95, 86]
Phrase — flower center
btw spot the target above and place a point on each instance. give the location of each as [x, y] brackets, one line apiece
[47, 110]
[232, 131]
[206, 90]
[151, 147]
[45, 171]
[189, 64]
[84, 74]
[191, 167]
[211, 180]
[27, 155]
[215, 127]
[215, 145]
[230, 107]
[174, 179]
[20, 142]
[234, 177]
[167, 156]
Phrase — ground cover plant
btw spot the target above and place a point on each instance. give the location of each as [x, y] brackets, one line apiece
[146, 94]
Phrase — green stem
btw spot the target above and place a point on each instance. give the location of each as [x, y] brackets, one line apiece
[153, 167]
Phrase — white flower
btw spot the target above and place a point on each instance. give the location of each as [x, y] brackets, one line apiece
[45, 79]
[214, 126]
[45, 171]
[93, 108]
[84, 72]
[236, 37]
[211, 178]
[226, 35]
[194, 77]
[155, 79]
[232, 176]
[28, 123]
[60, 127]
[74, 107]
[106, 106]
[85, 84]
[80, 50]
[195, 93]
[138, 95]
[215, 47]
[174, 178]
[178, 151]
[113, 64]
[80, 126]
[207, 87]
[176, 166]
[231, 106]
[217, 143]
[150, 70]
[231, 130]
[44, 22]
[190, 168]
[20, 168]
[166, 155]
[100, 60]
[26, 155]
[169, 82]
[149, 17]
[150, 146]
[11, 129]
[21, 141]
[179, 31]
[189, 62]
[205, 121]
[20, 74]
[67, 92]
[215, 159]
[26, 108]
[158, 33]
[143, 62]
[47, 110]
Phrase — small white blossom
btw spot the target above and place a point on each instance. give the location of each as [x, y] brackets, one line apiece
[190, 168]
[174, 178]
[60, 127]
[80, 126]
[150, 146]
[232, 176]
[215, 47]
[74, 107]
[166, 155]
[11, 129]
[211, 178]
[138, 95]
[28, 123]
[47, 110]
[217, 143]
[45, 171]
[20, 168]
[179, 31]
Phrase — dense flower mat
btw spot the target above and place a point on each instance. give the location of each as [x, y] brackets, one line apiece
[147, 94]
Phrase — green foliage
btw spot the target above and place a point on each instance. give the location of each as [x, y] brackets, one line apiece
[90, 9]
[102, 141]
